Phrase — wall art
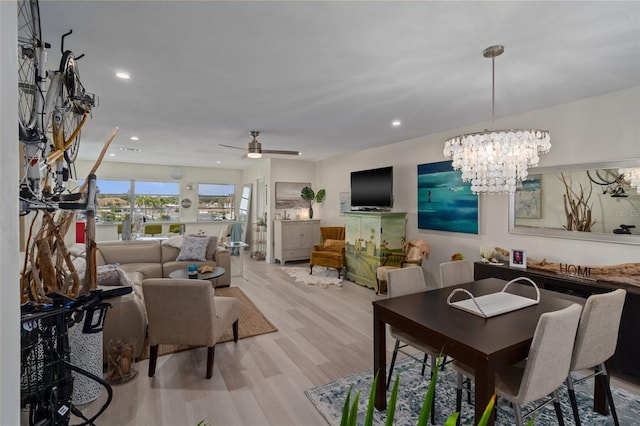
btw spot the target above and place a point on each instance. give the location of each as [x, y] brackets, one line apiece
[445, 202]
[345, 202]
[288, 195]
[528, 199]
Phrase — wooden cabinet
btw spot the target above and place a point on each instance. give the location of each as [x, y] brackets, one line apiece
[368, 236]
[625, 359]
[294, 239]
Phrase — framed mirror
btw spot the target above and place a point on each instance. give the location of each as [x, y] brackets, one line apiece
[243, 210]
[597, 202]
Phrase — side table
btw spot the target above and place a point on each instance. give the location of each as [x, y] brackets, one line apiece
[240, 245]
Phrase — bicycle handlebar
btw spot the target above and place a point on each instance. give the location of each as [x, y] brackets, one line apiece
[89, 204]
[92, 303]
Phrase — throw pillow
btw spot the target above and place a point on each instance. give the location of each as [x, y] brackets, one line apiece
[212, 245]
[108, 274]
[175, 241]
[193, 248]
[333, 245]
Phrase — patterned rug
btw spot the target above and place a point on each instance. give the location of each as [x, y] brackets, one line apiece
[252, 322]
[329, 399]
[321, 276]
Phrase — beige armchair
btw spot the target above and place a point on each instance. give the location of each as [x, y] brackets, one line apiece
[185, 312]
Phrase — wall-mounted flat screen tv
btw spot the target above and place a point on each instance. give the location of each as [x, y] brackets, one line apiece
[372, 189]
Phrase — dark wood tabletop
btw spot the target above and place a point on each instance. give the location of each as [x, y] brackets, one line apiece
[484, 344]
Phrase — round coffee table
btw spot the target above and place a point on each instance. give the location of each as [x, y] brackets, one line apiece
[181, 274]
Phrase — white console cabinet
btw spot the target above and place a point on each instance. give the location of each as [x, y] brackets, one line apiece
[294, 239]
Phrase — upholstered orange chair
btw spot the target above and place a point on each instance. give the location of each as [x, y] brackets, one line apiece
[331, 252]
[413, 252]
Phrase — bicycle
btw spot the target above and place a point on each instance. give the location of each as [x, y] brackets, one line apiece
[60, 110]
[46, 380]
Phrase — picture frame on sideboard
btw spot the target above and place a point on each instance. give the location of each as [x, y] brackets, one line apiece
[518, 258]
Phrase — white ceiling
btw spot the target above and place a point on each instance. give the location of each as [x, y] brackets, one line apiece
[327, 78]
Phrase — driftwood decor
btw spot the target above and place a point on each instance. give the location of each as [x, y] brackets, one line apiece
[47, 266]
[626, 273]
[577, 207]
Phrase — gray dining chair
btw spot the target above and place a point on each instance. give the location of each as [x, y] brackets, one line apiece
[400, 282]
[456, 272]
[596, 342]
[544, 370]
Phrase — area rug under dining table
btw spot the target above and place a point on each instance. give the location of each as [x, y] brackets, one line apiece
[252, 322]
[329, 400]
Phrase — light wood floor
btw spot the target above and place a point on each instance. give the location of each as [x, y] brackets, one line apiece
[323, 334]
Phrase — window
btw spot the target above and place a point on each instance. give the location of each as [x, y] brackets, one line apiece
[114, 200]
[157, 201]
[216, 202]
[153, 201]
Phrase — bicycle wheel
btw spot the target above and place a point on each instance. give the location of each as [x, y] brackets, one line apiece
[28, 44]
[72, 94]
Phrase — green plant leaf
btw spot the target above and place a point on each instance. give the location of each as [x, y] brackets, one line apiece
[487, 411]
[368, 421]
[452, 420]
[345, 408]
[428, 398]
[320, 196]
[307, 194]
[353, 414]
[391, 408]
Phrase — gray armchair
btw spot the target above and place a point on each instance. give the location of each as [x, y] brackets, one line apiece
[185, 312]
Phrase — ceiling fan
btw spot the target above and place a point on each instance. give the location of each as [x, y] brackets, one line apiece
[255, 148]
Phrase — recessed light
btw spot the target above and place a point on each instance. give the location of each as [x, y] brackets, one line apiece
[123, 75]
[130, 149]
[218, 162]
[134, 138]
[112, 155]
[396, 123]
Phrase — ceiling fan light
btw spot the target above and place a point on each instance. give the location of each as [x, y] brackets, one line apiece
[254, 155]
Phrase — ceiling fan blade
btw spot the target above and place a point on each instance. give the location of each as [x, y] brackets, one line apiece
[279, 151]
[234, 147]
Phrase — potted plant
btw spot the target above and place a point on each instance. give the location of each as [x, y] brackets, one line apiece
[307, 194]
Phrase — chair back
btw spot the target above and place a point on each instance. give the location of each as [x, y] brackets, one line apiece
[175, 228]
[549, 357]
[332, 232]
[415, 250]
[153, 229]
[598, 330]
[180, 311]
[403, 281]
[456, 272]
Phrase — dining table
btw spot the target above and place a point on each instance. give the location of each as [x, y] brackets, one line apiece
[484, 344]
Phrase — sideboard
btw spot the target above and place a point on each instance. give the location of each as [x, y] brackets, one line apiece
[294, 239]
[626, 360]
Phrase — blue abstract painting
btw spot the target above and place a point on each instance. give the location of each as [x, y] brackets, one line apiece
[445, 202]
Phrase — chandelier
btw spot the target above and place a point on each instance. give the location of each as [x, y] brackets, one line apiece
[495, 160]
[633, 176]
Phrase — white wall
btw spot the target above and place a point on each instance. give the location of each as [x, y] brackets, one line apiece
[603, 128]
[9, 237]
